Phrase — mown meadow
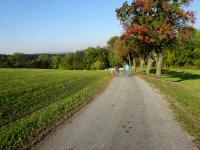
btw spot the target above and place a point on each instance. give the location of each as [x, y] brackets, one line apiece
[182, 88]
[31, 99]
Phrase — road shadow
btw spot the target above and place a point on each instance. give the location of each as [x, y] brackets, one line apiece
[181, 75]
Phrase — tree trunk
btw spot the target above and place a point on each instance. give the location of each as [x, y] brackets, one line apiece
[141, 64]
[134, 64]
[149, 65]
[129, 59]
[159, 65]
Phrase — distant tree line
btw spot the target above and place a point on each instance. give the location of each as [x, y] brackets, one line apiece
[92, 58]
[186, 54]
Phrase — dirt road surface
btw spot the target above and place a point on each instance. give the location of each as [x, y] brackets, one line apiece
[128, 115]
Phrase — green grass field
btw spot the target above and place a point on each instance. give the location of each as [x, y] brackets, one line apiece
[30, 99]
[182, 88]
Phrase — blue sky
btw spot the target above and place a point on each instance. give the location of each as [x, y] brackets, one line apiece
[39, 26]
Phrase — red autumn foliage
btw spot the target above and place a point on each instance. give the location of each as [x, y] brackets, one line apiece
[167, 30]
[155, 23]
[166, 6]
[191, 16]
[148, 4]
[136, 29]
[184, 34]
[121, 47]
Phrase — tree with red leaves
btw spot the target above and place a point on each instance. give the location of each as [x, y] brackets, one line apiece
[153, 26]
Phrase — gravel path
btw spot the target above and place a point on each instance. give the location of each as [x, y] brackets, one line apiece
[128, 115]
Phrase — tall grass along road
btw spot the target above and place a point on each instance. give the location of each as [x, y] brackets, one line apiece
[31, 99]
[128, 115]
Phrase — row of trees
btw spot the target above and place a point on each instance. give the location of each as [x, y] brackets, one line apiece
[20, 60]
[187, 54]
[153, 30]
[89, 59]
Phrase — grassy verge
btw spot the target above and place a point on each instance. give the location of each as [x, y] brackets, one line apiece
[20, 133]
[181, 88]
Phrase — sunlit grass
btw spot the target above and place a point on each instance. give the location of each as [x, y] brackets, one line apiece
[181, 87]
[32, 99]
